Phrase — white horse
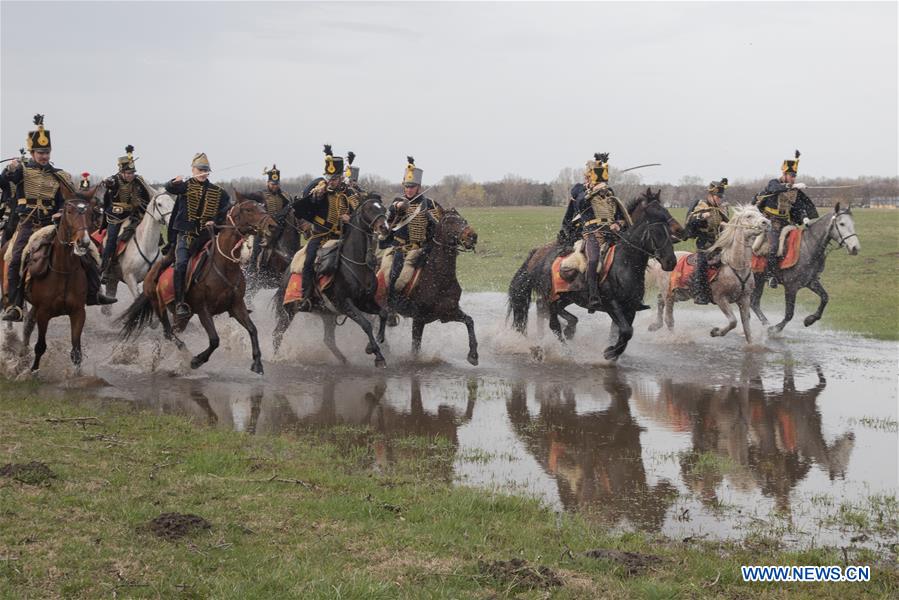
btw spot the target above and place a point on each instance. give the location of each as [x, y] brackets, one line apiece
[142, 249]
[734, 283]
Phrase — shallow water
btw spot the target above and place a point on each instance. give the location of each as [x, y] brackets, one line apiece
[687, 435]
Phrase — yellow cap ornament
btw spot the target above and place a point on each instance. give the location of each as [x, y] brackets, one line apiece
[333, 164]
[791, 166]
[38, 139]
[413, 174]
[201, 162]
[352, 173]
[274, 175]
[598, 169]
[718, 187]
[126, 163]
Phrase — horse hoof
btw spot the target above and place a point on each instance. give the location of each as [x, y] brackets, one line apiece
[775, 329]
[610, 354]
[810, 320]
[380, 363]
[393, 321]
[257, 368]
[715, 332]
[369, 349]
[195, 363]
[569, 333]
[473, 358]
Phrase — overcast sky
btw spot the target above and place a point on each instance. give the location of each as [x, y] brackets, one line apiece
[708, 89]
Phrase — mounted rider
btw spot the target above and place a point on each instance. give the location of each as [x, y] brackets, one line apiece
[124, 204]
[38, 196]
[276, 202]
[603, 216]
[784, 202]
[326, 203]
[199, 205]
[413, 217]
[704, 221]
[352, 175]
[572, 228]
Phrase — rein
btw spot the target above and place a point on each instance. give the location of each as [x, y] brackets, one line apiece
[643, 236]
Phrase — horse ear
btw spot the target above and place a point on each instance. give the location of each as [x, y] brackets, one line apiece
[836, 207]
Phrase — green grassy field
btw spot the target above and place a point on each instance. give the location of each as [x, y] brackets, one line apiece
[864, 289]
[305, 515]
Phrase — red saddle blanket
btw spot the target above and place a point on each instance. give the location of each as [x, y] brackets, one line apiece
[165, 286]
[790, 257]
[683, 272]
[99, 238]
[294, 290]
[381, 292]
[561, 285]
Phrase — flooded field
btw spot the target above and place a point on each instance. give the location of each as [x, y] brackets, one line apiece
[793, 438]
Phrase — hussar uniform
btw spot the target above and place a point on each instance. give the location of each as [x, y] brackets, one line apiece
[323, 206]
[705, 218]
[413, 223]
[276, 203]
[571, 228]
[598, 209]
[124, 205]
[352, 174]
[196, 203]
[783, 204]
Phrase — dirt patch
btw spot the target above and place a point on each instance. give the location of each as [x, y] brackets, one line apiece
[171, 526]
[517, 573]
[33, 473]
[633, 562]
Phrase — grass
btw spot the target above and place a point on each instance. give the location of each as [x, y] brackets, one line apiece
[298, 515]
[864, 289]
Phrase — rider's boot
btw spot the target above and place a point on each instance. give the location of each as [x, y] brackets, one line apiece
[14, 312]
[594, 302]
[94, 295]
[305, 303]
[182, 309]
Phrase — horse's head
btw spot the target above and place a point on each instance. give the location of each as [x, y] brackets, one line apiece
[161, 206]
[248, 216]
[76, 223]
[842, 229]
[454, 231]
[750, 221]
[371, 216]
[654, 227]
[651, 202]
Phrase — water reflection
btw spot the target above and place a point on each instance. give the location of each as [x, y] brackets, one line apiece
[595, 457]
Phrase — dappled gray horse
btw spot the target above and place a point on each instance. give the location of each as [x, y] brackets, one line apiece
[837, 227]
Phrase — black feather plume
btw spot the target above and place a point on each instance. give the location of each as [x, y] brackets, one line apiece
[724, 181]
[350, 156]
[797, 154]
[129, 149]
[38, 119]
[411, 160]
[602, 157]
[328, 150]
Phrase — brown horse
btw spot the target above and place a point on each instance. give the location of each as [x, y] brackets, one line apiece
[219, 286]
[63, 289]
[436, 296]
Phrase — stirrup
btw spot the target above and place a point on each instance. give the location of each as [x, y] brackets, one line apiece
[182, 309]
[304, 305]
[13, 313]
[772, 282]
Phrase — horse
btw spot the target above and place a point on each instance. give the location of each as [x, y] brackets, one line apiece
[275, 258]
[436, 295]
[734, 283]
[142, 250]
[354, 283]
[622, 289]
[219, 286]
[839, 228]
[62, 290]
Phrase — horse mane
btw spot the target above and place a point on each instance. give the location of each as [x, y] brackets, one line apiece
[648, 196]
[731, 235]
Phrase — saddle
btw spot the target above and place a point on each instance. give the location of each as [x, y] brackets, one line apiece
[294, 290]
[125, 234]
[569, 272]
[788, 251]
[408, 277]
[683, 272]
[165, 285]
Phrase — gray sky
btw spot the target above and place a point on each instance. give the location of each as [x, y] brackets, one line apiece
[709, 89]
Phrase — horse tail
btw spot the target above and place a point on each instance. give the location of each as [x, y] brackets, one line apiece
[520, 292]
[138, 316]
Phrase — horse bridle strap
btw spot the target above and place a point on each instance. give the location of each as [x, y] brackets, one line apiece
[833, 222]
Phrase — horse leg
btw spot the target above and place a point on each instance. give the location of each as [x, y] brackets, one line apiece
[111, 289]
[418, 328]
[241, 315]
[571, 323]
[76, 320]
[624, 320]
[383, 316]
[329, 323]
[815, 286]
[554, 324]
[542, 313]
[724, 305]
[756, 302]
[745, 317]
[27, 329]
[352, 312]
[790, 299]
[131, 282]
[209, 326]
[167, 330]
[285, 317]
[660, 305]
[460, 317]
[41, 346]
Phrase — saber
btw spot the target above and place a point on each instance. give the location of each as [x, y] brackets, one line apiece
[408, 219]
[21, 156]
[641, 166]
[223, 169]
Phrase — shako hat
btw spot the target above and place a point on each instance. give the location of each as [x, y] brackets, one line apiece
[791, 166]
[598, 168]
[201, 161]
[126, 163]
[274, 175]
[352, 173]
[413, 174]
[718, 187]
[38, 139]
[333, 164]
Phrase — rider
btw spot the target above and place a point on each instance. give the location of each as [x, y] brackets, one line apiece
[603, 217]
[784, 203]
[352, 175]
[124, 204]
[704, 219]
[413, 217]
[38, 196]
[199, 202]
[571, 229]
[326, 203]
[275, 201]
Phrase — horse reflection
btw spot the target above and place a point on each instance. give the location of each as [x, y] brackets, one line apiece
[595, 457]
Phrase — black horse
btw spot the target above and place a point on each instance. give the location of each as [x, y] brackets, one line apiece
[621, 292]
[274, 259]
[352, 291]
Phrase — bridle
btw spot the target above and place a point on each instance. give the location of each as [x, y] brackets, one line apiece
[368, 228]
[835, 225]
[81, 206]
[235, 258]
[455, 242]
[643, 237]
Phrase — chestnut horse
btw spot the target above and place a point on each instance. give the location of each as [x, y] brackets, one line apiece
[219, 286]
